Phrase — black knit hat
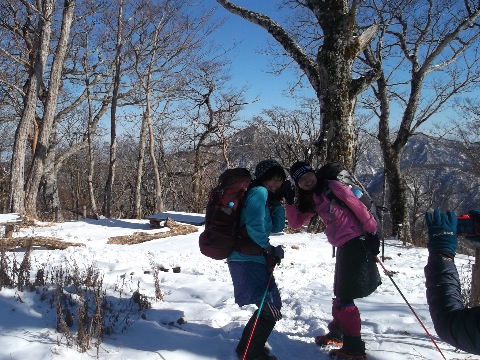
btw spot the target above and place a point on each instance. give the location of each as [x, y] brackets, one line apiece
[266, 168]
[298, 169]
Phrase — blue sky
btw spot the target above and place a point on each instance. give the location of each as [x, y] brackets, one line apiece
[251, 68]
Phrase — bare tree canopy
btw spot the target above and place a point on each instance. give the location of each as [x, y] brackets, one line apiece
[326, 52]
[426, 55]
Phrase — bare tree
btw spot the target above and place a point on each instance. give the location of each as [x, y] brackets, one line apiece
[168, 48]
[292, 133]
[49, 99]
[36, 24]
[116, 80]
[209, 124]
[325, 51]
[56, 101]
[418, 39]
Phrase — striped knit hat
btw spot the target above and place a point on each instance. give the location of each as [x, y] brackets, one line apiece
[298, 169]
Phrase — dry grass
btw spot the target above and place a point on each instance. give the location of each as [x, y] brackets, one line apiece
[140, 237]
[289, 230]
[43, 241]
[85, 314]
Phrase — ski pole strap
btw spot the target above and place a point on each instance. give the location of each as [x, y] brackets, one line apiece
[411, 309]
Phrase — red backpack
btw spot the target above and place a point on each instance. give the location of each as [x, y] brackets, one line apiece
[222, 216]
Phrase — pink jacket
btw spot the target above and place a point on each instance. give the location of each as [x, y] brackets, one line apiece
[342, 224]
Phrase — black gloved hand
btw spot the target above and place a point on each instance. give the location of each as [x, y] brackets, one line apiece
[442, 232]
[373, 243]
[274, 253]
[286, 191]
[289, 192]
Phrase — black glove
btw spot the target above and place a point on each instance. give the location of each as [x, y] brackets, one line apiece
[373, 243]
[289, 192]
[286, 191]
[442, 232]
[274, 254]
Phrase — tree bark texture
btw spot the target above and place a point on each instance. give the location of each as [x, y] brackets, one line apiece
[50, 187]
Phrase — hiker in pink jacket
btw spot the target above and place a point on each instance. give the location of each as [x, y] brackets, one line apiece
[351, 228]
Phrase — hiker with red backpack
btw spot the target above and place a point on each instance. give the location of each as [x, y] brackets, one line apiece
[251, 263]
[351, 228]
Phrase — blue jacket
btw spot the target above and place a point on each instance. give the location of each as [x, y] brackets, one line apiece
[454, 323]
[259, 222]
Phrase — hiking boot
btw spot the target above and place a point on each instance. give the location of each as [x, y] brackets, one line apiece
[265, 356]
[266, 351]
[353, 348]
[329, 339]
[256, 344]
[341, 354]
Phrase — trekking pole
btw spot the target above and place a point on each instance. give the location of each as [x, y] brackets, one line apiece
[413, 311]
[258, 314]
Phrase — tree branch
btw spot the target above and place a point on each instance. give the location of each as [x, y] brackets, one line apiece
[289, 45]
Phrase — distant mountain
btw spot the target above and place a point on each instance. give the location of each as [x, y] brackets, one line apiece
[438, 169]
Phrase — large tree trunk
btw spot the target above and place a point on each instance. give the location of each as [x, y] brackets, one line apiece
[39, 53]
[45, 132]
[17, 166]
[337, 100]
[337, 141]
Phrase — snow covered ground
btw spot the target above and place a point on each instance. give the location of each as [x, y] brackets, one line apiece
[202, 294]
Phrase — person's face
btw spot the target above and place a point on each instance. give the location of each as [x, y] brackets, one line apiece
[273, 184]
[307, 181]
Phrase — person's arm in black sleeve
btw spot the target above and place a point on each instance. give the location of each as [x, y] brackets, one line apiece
[454, 323]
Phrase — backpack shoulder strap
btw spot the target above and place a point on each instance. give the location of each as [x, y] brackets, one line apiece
[328, 192]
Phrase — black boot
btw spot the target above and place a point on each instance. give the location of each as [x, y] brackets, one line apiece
[256, 350]
[246, 335]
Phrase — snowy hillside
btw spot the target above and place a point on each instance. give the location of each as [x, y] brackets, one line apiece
[202, 294]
